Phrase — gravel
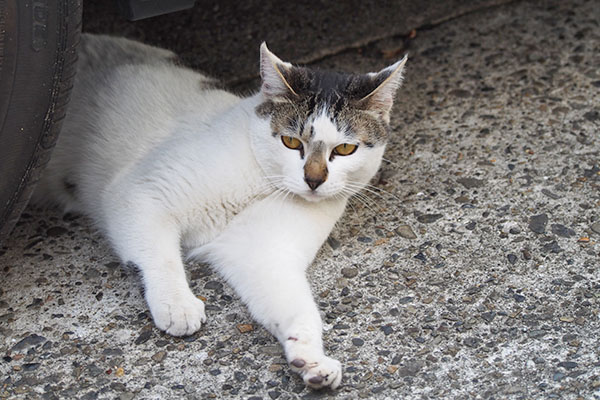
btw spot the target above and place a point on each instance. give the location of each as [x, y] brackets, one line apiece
[406, 232]
[537, 223]
[470, 183]
[429, 218]
[350, 272]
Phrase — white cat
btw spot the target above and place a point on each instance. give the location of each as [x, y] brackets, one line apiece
[166, 164]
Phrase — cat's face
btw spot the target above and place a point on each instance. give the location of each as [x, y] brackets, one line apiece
[327, 130]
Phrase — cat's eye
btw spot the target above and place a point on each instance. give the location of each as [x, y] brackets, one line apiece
[291, 142]
[344, 149]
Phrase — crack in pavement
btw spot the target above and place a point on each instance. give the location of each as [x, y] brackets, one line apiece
[326, 52]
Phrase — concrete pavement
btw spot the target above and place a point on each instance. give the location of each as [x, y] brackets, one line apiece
[472, 271]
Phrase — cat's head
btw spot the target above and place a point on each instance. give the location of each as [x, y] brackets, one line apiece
[327, 130]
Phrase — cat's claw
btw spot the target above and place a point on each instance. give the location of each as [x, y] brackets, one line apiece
[178, 316]
[319, 373]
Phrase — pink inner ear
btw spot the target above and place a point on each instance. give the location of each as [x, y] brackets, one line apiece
[273, 83]
[381, 99]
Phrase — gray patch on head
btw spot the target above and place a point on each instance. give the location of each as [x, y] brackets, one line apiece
[287, 117]
[367, 128]
[340, 95]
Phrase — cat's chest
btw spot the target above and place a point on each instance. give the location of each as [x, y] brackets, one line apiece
[213, 206]
[206, 221]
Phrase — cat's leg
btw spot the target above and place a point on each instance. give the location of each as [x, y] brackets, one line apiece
[264, 254]
[150, 240]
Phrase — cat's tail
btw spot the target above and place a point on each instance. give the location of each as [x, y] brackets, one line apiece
[50, 193]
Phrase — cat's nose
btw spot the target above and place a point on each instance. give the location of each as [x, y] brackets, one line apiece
[315, 170]
[313, 183]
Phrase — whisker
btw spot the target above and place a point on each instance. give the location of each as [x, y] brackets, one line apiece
[342, 195]
[264, 188]
[373, 189]
[390, 161]
[351, 205]
[368, 199]
[360, 197]
[376, 188]
[287, 192]
[356, 191]
[364, 202]
[278, 194]
[375, 193]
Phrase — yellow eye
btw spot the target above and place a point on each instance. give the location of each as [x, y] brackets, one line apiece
[345, 149]
[291, 142]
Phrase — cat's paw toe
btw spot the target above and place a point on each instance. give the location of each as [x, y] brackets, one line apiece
[319, 373]
[178, 317]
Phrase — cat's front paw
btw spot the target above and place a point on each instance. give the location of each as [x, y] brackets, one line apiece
[317, 370]
[178, 315]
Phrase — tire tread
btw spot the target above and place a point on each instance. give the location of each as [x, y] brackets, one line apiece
[62, 84]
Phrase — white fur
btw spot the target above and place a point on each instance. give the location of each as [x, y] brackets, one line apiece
[162, 164]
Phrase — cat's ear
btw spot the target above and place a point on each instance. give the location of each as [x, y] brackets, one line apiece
[272, 71]
[381, 99]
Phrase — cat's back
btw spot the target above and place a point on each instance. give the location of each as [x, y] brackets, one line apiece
[128, 98]
[128, 91]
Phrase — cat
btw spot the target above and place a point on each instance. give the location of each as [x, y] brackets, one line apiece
[168, 165]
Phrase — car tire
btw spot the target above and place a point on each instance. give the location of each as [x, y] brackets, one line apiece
[38, 52]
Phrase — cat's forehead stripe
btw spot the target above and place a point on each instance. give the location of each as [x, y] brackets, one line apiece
[324, 128]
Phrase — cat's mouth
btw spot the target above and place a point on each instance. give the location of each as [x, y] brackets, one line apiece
[307, 193]
[314, 195]
[311, 195]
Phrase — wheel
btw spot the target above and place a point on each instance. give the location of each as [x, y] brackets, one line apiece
[38, 51]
